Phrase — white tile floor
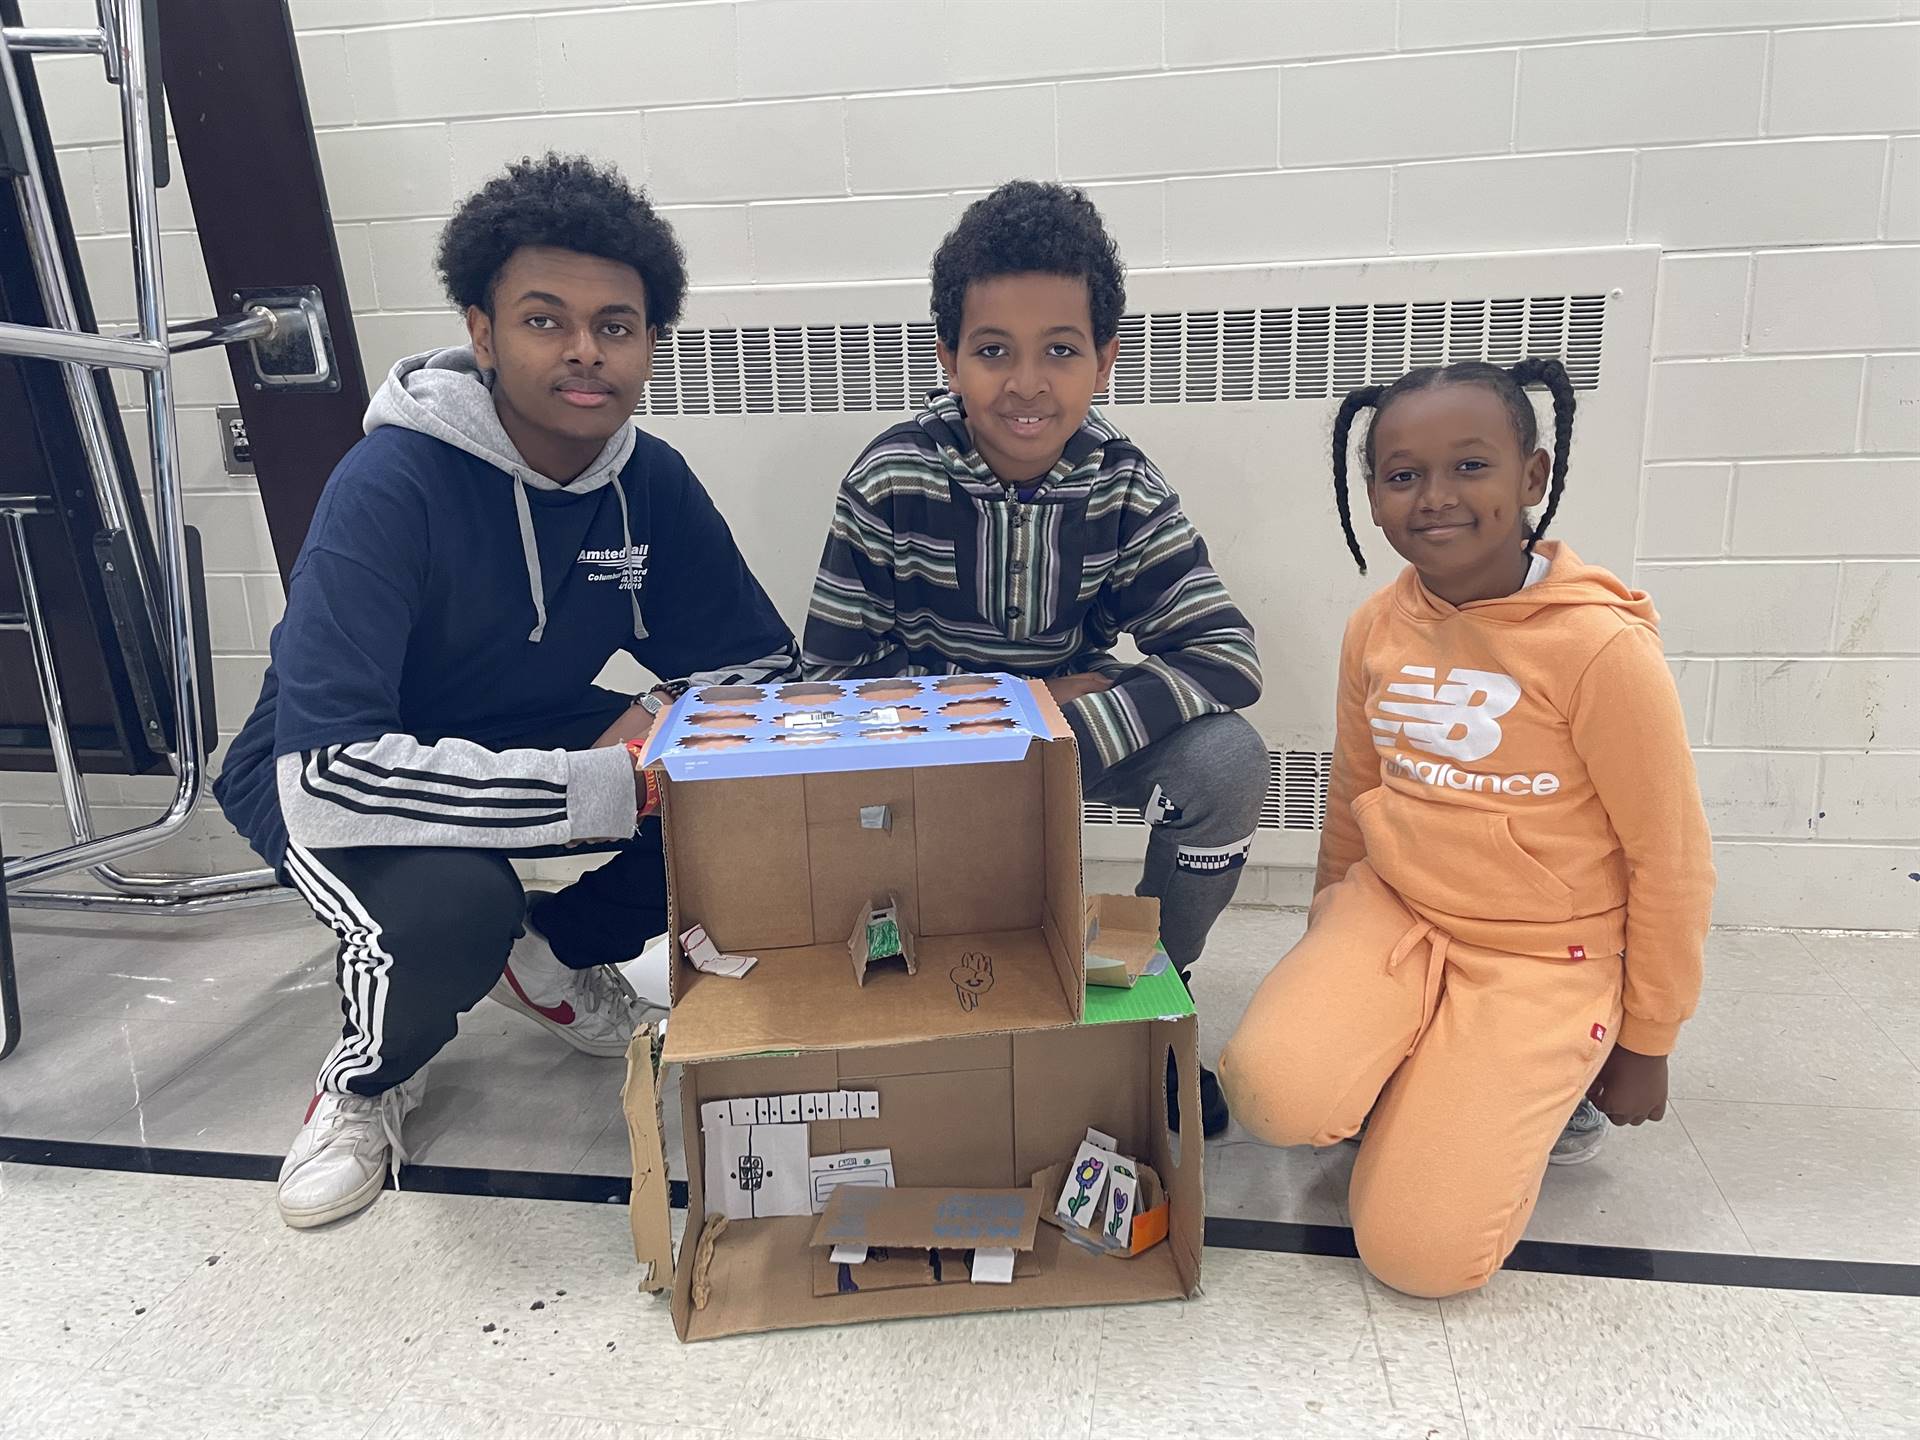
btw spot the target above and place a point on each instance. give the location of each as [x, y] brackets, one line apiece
[159, 1306]
[155, 1307]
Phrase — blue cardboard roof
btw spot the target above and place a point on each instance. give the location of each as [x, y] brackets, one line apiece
[734, 732]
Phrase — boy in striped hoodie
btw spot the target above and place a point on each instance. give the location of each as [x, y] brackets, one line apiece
[1009, 526]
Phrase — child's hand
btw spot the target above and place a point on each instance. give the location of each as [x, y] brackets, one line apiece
[1630, 1087]
[1072, 687]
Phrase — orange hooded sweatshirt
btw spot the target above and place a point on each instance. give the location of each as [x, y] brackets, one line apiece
[1517, 770]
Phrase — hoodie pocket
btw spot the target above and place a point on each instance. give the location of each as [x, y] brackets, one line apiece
[1457, 860]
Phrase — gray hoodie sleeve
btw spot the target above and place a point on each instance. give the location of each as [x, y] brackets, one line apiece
[396, 791]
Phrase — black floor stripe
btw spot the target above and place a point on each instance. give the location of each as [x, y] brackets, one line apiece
[85, 1155]
[228, 1165]
[1612, 1262]
[1606, 1262]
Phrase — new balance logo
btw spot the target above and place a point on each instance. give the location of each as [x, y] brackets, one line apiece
[1443, 776]
[1457, 719]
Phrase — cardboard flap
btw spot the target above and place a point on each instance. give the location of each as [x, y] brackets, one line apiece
[1122, 933]
[647, 1208]
[930, 1219]
[1050, 711]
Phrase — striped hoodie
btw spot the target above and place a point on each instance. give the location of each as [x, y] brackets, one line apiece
[933, 565]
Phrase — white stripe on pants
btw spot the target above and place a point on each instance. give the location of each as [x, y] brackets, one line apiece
[364, 966]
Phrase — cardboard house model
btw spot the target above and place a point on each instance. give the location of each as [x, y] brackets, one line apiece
[912, 1061]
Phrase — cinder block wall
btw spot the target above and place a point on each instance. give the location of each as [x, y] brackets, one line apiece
[1770, 146]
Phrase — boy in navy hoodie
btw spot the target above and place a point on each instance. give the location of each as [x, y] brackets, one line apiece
[430, 709]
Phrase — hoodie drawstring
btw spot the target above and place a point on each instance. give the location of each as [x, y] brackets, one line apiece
[1438, 942]
[626, 557]
[535, 582]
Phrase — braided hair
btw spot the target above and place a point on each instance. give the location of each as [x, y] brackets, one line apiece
[1509, 384]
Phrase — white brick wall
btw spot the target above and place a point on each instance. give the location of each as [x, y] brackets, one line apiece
[1772, 147]
[1397, 109]
[1640, 92]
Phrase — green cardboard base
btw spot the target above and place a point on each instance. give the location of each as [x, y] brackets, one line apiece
[1153, 997]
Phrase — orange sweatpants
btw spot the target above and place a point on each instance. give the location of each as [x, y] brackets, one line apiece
[1469, 1062]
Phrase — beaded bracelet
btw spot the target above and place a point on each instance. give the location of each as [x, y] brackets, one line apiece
[637, 749]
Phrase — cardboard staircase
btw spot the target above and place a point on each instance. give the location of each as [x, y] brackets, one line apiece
[901, 858]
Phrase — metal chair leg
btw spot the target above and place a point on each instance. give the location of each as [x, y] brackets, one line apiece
[9, 991]
[128, 892]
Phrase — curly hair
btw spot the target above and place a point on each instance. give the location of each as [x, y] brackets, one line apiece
[1024, 227]
[570, 203]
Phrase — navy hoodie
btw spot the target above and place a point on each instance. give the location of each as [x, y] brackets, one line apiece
[432, 680]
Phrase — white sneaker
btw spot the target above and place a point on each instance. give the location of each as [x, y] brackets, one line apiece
[594, 1010]
[344, 1152]
[647, 973]
[1581, 1139]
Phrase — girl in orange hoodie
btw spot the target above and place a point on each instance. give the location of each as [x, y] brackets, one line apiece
[1516, 873]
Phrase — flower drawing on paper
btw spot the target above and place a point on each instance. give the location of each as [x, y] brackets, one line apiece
[1119, 1212]
[1084, 1176]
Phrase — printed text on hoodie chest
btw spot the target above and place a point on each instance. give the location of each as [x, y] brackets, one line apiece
[627, 568]
[1457, 719]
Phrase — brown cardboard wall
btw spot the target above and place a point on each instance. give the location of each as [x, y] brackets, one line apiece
[1066, 1080]
[730, 1079]
[1065, 883]
[854, 867]
[949, 1129]
[739, 863]
[1184, 1180]
[927, 1057]
[947, 1124]
[980, 862]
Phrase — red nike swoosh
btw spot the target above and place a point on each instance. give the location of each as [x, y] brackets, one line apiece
[561, 1014]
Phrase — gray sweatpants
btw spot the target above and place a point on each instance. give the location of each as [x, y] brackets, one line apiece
[1200, 788]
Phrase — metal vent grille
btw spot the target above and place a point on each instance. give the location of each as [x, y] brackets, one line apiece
[1296, 797]
[1179, 357]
